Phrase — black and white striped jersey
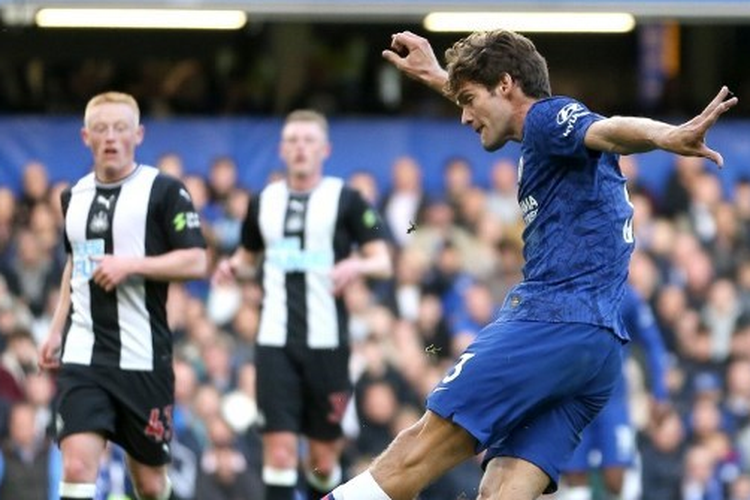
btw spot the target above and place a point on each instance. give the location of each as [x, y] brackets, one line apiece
[145, 214]
[302, 235]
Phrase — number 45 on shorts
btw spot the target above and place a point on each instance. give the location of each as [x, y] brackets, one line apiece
[159, 426]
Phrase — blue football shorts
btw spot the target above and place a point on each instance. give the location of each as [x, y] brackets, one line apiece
[609, 440]
[527, 389]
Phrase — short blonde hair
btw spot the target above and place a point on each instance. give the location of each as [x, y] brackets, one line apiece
[308, 115]
[112, 97]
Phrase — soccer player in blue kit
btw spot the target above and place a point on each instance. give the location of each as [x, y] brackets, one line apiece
[608, 442]
[524, 390]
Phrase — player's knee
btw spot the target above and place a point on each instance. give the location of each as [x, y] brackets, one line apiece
[76, 470]
[281, 457]
[150, 488]
[323, 466]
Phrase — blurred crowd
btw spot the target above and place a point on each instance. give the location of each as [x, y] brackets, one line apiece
[457, 254]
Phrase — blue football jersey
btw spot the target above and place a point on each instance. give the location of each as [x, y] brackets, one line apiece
[579, 222]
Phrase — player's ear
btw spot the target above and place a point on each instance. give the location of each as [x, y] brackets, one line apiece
[139, 134]
[85, 136]
[505, 84]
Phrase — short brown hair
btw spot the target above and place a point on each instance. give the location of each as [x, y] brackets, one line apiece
[485, 56]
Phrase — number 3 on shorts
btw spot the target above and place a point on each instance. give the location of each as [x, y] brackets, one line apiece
[458, 367]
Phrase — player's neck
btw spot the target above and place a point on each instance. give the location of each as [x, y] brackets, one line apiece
[303, 183]
[109, 175]
[519, 119]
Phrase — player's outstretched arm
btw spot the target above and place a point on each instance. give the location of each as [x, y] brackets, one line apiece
[627, 135]
[413, 56]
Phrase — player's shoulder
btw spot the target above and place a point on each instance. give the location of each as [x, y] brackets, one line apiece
[346, 193]
[274, 188]
[330, 184]
[165, 187]
[558, 109]
[85, 183]
[163, 182]
[161, 177]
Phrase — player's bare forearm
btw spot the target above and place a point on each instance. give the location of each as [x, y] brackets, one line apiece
[49, 350]
[239, 267]
[627, 135]
[177, 265]
[376, 260]
[242, 263]
[63, 303]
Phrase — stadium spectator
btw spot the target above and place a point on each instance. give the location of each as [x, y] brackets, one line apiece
[405, 200]
[224, 470]
[29, 463]
[662, 448]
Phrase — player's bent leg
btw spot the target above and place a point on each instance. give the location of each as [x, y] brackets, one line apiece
[81, 453]
[280, 463]
[509, 478]
[421, 454]
[150, 482]
[323, 469]
[417, 456]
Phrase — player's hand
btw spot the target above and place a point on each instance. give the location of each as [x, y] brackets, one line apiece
[110, 271]
[344, 273]
[689, 139]
[413, 55]
[49, 352]
[659, 411]
[223, 274]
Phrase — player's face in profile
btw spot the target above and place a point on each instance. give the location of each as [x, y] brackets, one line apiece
[112, 133]
[486, 112]
[304, 147]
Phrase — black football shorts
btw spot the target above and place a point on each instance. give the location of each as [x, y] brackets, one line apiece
[130, 408]
[303, 390]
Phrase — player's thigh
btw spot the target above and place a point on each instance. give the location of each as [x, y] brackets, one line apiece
[144, 425]
[279, 390]
[548, 436]
[327, 390]
[515, 369]
[83, 404]
[511, 478]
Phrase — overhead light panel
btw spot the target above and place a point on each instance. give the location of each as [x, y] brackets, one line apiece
[551, 22]
[141, 18]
